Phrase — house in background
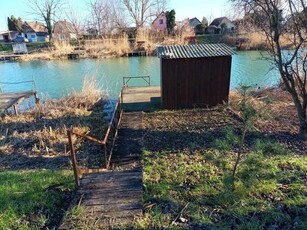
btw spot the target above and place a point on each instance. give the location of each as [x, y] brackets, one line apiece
[64, 31]
[212, 30]
[7, 36]
[194, 22]
[221, 25]
[159, 24]
[195, 25]
[34, 31]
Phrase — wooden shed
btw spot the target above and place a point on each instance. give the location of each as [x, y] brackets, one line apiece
[195, 75]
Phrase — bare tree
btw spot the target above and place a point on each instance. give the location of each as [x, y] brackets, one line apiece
[77, 22]
[142, 10]
[46, 10]
[292, 66]
[105, 16]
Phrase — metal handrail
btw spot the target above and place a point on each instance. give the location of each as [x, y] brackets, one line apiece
[19, 82]
[110, 135]
[145, 78]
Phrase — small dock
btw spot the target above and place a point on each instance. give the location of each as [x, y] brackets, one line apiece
[139, 50]
[8, 100]
[77, 54]
[145, 98]
[10, 57]
[12, 99]
[73, 56]
[137, 53]
[114, 198]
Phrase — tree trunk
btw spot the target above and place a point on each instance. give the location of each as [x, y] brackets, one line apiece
[301, 113]
[303, 131]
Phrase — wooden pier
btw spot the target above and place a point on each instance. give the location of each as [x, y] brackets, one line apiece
[145, 98]
[73, 56]
[114, 198]
[10, 57]
[8, 100]
[77, 54]
[12, 99]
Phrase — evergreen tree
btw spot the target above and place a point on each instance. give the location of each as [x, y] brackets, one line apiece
[14, 23]
[170, 21]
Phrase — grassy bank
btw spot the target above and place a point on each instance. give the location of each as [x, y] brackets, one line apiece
[189, 156]
[36, 179]
[34, 199]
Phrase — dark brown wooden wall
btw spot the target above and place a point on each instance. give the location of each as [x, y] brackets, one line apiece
[200, 82]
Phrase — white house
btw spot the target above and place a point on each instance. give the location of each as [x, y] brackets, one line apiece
[34, 31]
[223, 24]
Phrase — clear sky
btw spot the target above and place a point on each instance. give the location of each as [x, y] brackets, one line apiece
[184, 9]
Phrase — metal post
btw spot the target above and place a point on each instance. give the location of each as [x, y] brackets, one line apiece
[122, 99]
[106, 164]
[15, 109]
[73, 157]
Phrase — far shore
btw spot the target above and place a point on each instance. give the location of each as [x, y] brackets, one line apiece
[121, 47]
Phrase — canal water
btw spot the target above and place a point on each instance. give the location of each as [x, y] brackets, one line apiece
[57, 78]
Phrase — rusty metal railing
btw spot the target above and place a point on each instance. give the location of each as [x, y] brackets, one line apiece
[107, 142]
[127, 79]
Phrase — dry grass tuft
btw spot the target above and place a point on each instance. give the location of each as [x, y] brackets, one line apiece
[43, 55]
[257, 41]
[61, 49]
[254, 40]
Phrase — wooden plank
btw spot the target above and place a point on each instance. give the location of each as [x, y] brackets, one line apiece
[113, 185]
[123, 214]
[114, 196]
[133, 183]
[109, 174]
[111, 201]
[105, 191]
[113, 178]
[115, 207]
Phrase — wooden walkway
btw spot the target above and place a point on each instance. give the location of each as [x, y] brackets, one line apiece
[8, 100]
[115, 198]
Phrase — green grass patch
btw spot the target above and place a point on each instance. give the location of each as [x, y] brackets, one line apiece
[188, 188]
[34, 199]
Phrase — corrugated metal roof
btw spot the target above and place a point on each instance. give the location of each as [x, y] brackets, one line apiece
[194, 51]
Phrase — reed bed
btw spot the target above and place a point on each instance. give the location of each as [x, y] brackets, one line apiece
[40, 133]
[100, 48]
[113, 46]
